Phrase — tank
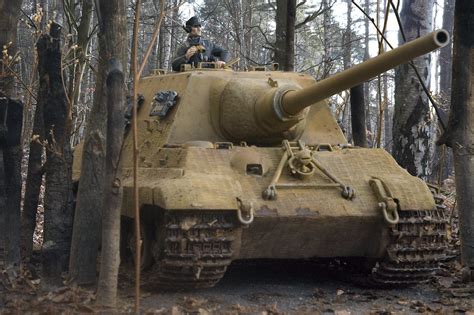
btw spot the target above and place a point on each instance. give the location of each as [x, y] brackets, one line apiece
[253, 165]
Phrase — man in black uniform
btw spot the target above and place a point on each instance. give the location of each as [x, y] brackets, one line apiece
[197, 50]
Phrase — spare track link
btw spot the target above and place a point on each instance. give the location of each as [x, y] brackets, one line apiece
[197, 249]
[418, 244]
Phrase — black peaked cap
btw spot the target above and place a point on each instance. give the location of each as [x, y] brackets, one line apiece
[193, 21]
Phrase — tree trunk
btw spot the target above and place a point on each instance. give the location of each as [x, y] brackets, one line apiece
[110, 256]
[327, 45]
[460, 131]
[387, 118]
[58, 193]
[285, 34]
[241, 32]
[34, 177]
[387, 132]
[161, 43]
[166, 43]
[83, 43]
[445, 53]
[280, 33]
[35, 171]
[366, 57]
[87, 220]
[44, 4]
[175, 26]
[9, 14]
[2, 212]
[412, 145]
[11, 118]
[12, 153]
[359, 134]
[347, 50]
[247, 8]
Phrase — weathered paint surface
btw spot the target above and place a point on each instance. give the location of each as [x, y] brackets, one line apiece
[181, 168]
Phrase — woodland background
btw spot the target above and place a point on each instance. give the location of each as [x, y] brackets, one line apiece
[55, 58]
[325, 42]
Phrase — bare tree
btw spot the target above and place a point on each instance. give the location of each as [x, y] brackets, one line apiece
[347, 51]
[327, 46]
[247, 22]
[460, 131]
[11, 125]
[110, 256]
[443, 164]
[359, 134]
[445, 54]
[81, 27]
[366, 57]
[89, 201]
[58, 173]
[412, 132]
[11, 118]
[165, 40]
[285, 34]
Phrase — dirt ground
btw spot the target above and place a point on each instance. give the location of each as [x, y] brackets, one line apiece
[268, 287]
[300, 287]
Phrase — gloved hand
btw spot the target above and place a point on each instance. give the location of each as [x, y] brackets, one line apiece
[190, 52]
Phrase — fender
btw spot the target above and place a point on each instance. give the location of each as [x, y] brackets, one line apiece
[196, 191]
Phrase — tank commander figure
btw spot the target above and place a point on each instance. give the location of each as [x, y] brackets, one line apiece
[196, 49]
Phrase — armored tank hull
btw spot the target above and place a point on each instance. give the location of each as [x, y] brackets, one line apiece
[228, 171]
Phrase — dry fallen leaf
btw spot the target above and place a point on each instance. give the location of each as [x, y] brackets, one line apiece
[202, 311]
[175, 311]
[318, 293]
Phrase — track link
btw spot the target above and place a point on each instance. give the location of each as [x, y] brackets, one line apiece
[418, 244]
[195, 249]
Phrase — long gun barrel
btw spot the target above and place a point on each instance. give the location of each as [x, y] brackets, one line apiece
[253, 112]
[294, 101]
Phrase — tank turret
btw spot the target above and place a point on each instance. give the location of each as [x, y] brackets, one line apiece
[272, 112]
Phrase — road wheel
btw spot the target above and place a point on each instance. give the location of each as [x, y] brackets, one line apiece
[147, 239]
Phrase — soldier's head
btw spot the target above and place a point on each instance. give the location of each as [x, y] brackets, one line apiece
[193, 27]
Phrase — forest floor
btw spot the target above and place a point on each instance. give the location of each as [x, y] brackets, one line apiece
[256, 287]
[305, 287]
[266, 287]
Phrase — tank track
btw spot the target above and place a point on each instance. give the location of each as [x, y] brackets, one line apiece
[196, 249]
[419, 242]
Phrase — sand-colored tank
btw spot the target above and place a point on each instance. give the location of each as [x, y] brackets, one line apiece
[249, 165]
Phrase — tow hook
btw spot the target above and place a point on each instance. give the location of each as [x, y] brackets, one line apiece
[387, 203]
[390, 213]
[245, 212]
